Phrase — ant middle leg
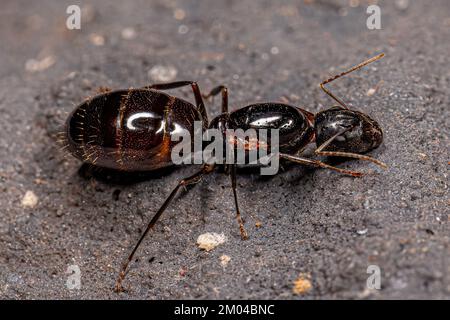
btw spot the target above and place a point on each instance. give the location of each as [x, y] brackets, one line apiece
[195, 89]
[195, 178]
[215, 91]
[319, 151]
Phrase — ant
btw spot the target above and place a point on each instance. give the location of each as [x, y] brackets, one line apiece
[130, 130]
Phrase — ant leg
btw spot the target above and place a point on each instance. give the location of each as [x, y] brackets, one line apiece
[359, 66]
[215, 91]
[178, 84]
[345, 154]
[244, 235]
[195, 178]
[317, 163]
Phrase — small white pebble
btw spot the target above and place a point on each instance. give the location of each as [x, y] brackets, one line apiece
[402, 4]
[371, 92]
[362, 232]
[97, 39]
[162, 73]
[128, 33]
[35, 65]
[210, 240]
[224, 259]
[72, 75]
[30, 199]
[422, 156]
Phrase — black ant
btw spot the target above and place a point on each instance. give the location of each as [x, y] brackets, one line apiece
[130, 130]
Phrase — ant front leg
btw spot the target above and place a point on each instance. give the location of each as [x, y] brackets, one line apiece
[215, 91]
[319, 151]
[195, 178]
[317, 163]
[195, 89]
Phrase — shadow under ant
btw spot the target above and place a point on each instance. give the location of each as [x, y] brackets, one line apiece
[120, 177]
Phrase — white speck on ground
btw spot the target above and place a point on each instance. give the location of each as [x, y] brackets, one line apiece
[402, 4]
[163, 73]
[210, 240]
[30, 199]
[224, 259]
[362, 232]
[128, 33]
[35, 65]
[371, 92]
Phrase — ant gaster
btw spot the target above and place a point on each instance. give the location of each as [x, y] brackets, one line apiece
[130, 130]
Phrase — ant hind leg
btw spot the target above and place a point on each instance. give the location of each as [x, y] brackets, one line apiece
[195, 89]
[195, 178]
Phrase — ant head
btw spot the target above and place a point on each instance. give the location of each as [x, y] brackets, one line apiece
[354, 131]
[345, 130]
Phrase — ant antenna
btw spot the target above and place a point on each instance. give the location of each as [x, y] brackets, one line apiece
[359, 66]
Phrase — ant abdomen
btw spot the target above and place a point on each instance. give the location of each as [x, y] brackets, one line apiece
[128, 130]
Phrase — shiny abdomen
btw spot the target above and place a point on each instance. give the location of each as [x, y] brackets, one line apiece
[128, 129]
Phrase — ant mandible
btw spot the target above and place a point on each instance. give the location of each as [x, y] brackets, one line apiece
[130, 130]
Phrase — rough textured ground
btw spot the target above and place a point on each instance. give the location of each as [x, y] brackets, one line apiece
[315, 222]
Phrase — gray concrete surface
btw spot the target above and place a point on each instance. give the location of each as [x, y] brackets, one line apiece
[315, 222]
